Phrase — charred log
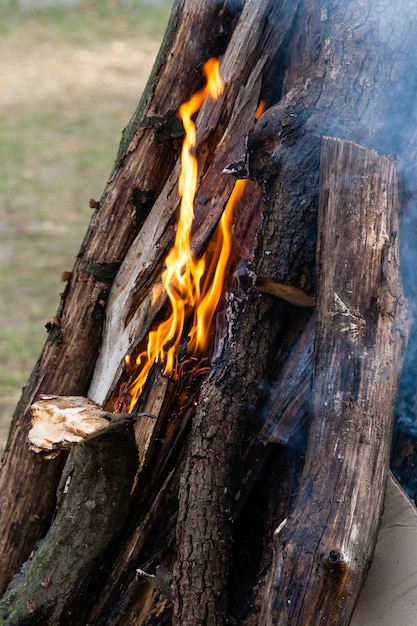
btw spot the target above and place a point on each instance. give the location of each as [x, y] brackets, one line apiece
[362, 327]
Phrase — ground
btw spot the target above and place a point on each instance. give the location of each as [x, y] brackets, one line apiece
[71, 78]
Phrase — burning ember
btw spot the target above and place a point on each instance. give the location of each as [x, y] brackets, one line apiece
[193, 286]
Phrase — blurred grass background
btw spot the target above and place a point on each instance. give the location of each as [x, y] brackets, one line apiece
[71, 75]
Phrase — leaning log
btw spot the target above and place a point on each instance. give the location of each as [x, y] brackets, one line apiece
[322, 554]
[55, 583]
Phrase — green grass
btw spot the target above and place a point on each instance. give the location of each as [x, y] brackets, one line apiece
[83, 20]
[71, 78]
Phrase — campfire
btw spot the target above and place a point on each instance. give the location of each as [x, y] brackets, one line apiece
[192, 286]
[245, 325]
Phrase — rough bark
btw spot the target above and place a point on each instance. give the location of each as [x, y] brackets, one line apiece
[322, 554]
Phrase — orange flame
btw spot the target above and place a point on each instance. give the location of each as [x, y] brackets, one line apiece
[214, 277]
[187, 282]
[260, 109]
[182, 276]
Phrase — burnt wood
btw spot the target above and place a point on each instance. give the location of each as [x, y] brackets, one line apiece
[323, 552]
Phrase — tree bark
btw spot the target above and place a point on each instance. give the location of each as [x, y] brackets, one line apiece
[56, 582]
[203, 478]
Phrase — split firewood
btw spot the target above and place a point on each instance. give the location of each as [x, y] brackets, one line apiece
[62, 422]
[361, 332]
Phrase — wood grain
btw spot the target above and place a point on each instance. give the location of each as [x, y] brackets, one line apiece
[323, 553]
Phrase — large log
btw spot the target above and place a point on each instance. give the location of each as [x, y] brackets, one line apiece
[55, 584]
[322, 555]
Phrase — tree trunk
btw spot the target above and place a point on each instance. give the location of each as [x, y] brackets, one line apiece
[192, 543]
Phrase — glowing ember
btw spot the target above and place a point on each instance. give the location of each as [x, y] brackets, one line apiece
[190, 286]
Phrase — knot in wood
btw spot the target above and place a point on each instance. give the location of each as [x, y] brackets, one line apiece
[335, 557]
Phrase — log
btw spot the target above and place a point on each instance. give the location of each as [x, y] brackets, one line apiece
[55, 583]
[323, 552]
[149, 539]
